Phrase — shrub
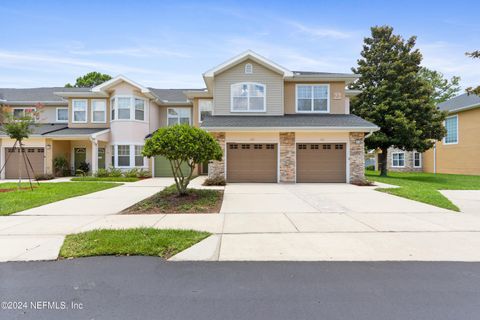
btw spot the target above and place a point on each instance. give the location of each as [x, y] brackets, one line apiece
[60, 165]
[132, 173]
[102, 173]
[144, 174]
[370, 167]
[83, 168]
[219, 181]
[44, 176]
[114, 172]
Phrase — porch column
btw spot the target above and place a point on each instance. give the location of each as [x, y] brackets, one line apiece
[216, 169]
[357, 157]
[287, 156]
[94, 166]
[48, 156]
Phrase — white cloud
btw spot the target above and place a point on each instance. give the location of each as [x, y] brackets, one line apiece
[46, 61]
[319, 32]
[139, 52]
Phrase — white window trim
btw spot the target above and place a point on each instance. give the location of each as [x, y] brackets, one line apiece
[444, 124]
[312, 85]
[56, 114]
[178, 117]
[394, 153]
[131, 156]
[419, 158]
[25, 108]
[200, 110]
[249, 111]
[104, 112]
[73, 111]
[132, 108]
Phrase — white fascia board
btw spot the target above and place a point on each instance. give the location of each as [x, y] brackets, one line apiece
[465, 108]
[77, 94]
[117, 79]
[243, 56]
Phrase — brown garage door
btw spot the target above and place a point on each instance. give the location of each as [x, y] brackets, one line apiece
[251, 162]
[35, 155]
[321, 162]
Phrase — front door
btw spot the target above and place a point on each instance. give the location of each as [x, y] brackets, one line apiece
[80, 155]
[101, 158]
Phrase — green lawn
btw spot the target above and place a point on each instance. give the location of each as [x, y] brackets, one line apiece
[167, 201]
[139, 242]
[18, 200]
[424, 187]
[106, 179]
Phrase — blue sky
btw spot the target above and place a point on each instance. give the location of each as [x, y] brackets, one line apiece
[170, 44]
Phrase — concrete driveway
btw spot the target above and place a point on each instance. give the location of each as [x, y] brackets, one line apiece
[315, 198]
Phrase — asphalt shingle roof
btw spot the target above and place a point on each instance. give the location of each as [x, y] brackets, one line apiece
[461, 101]
[54, 129]
[172, 94]
[36, 94]
[286, 121]
[315, 73]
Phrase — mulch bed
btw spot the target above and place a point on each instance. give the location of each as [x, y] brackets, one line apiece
[168, 202]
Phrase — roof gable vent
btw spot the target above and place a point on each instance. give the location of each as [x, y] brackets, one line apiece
[248, 68]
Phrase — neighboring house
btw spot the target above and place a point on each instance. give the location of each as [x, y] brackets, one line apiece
[274, 125]
[459, 151]
[402, 161]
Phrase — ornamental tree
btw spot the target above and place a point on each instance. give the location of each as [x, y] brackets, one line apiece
[182, 144]
[90, 80]
[394, 96]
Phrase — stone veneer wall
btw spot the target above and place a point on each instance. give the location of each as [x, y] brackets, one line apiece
[408, 161]
[357, 157]
[216, 169]
[287, 157]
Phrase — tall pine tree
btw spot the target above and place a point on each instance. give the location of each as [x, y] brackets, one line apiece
[394, 96]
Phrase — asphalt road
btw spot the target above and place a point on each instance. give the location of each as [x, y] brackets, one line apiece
[149, 288]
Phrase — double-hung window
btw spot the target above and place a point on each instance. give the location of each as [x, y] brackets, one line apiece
[205, 108]
[313, 98]
[417, 159]
[123, 155]
[139, 109]
[61, 115]
[99, 111]
[398, 159]
[248, 97]
[113, 106]
[123, 108]
[79, 110]
[178, 116]
[451, 125]
[138, 156]
[19, 113]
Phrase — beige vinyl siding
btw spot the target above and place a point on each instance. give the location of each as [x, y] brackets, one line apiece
[163, 114]
[272, 80]
[337, 96]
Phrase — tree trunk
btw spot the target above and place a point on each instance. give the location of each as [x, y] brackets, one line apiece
[382, 162]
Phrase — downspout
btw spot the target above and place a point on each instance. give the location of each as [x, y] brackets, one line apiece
[435, 157]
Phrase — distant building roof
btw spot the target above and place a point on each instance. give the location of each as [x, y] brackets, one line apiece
[461, 102]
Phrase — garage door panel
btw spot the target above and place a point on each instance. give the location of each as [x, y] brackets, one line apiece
[318, 162]
[251, 162]
[16, 161]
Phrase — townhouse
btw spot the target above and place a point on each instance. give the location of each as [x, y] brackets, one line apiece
[273, 124]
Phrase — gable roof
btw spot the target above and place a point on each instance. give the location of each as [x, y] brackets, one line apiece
[249, 54]
[116, 80]
[460, 103]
